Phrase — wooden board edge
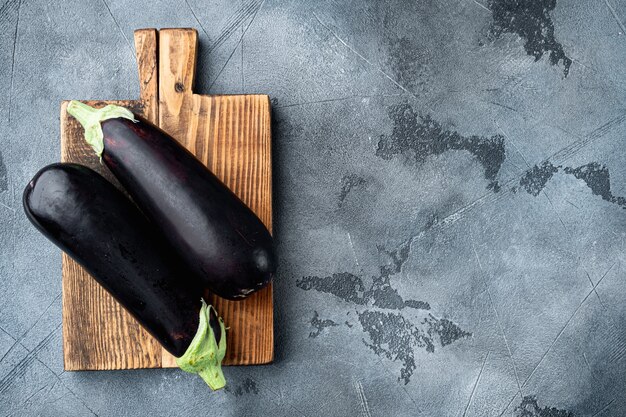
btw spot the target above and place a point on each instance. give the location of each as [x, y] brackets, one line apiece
[271, 357]
[62, 117]
[68, 365]
[271, 179]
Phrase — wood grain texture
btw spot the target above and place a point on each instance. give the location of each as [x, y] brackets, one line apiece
[231, 135]
[178, 49]
[148, 65]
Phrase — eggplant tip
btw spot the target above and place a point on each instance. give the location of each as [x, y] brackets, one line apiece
[263, 261]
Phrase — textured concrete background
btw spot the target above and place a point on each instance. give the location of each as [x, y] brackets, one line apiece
[450, 193]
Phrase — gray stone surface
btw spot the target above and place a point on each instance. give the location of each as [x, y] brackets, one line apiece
[450, 192]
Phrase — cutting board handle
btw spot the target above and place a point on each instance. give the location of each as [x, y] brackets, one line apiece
[147, 63]
[178, 51]
[166, 60]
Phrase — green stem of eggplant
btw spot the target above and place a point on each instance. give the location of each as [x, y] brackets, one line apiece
[204, 355]
[90, 118]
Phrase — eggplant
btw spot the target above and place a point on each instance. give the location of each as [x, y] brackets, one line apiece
[221, 240]
[102, 230]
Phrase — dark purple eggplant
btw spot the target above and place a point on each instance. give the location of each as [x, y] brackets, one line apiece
[216, 234]
[95, 224]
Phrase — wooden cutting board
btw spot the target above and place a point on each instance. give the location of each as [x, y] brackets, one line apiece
[231, 135]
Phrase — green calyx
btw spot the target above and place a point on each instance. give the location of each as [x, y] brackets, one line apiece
[204, 355]
[90, 118]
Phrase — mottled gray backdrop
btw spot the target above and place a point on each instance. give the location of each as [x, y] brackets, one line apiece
[450, 195]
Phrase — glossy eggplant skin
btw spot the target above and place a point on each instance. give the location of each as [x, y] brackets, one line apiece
[95, 224]
[217, 235]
